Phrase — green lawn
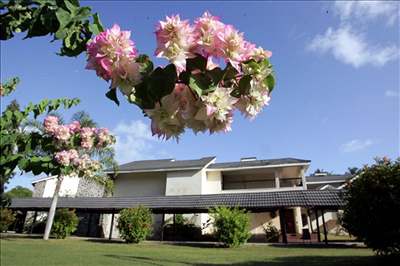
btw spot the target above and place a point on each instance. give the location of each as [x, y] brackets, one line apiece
[28, 251]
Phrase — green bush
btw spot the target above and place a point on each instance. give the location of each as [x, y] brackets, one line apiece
[7, 217]
[271, 233]
[135, 224]
[65, 223]
[373, 199]
[231, 225]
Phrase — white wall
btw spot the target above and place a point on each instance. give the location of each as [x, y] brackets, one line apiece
[184, 183]
[140, 184]
[212, 182]
[69, 187]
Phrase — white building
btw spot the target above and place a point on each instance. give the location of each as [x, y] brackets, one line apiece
[169, 177]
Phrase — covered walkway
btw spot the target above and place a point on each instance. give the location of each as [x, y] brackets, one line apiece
[313, 200]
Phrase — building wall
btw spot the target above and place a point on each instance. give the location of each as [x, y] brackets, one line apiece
[38, 189]
[140, 184]
[69, 187]
[183, 183]
[89, 188]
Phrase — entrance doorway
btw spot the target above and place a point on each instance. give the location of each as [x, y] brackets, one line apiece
[290, 223]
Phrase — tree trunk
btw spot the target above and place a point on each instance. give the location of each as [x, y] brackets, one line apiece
[52, 211]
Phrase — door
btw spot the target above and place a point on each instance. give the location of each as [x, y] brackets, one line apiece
[290, 224]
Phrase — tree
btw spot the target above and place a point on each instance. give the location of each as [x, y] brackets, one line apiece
[16, 144]
[19, 192]
[373, 199]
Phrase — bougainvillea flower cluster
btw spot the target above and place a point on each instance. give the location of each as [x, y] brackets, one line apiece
[213, 71]
[73, 143]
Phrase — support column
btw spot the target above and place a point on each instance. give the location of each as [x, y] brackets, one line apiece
[174, 226]
[309, 221]
[317, 219]
[162, 227]
[33, 222]
[112, 226]
[324, 226]
[283, 225]
[277, 179]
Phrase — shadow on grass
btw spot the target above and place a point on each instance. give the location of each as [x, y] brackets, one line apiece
[319, 245]
[104, 241]
[11, 237]
[278, 261]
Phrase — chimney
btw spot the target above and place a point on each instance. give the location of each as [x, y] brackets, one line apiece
[248, 159]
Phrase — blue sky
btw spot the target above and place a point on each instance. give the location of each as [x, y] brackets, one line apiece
[336, 100]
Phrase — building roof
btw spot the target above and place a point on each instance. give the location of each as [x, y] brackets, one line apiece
[258, 163]
[165, 165]
[328, 178]
[255, 201]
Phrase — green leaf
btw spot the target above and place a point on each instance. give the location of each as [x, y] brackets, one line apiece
[63, 19]
[112, 95]
[244, 85]
[216, 75]
[199, 83]
[96, 27]
[146, 65]
[198, 62]
[270, 82]
[229, 72]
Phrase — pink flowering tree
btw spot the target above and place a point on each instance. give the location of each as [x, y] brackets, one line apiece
[213, 71]
[64, 150]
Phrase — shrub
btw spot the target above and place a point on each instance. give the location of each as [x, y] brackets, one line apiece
[231, 225]
[7, 217]
[373, 199]
[65, 223]
[135, 224]
[271, 233]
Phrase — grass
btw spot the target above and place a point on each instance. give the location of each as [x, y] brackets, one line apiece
[74, 251]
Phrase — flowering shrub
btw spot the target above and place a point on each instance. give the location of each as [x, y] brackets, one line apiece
[193, 91]
[72, 143]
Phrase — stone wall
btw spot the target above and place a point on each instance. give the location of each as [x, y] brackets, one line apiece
[39, 189]
[89, 188]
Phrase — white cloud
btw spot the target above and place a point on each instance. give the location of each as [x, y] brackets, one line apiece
[351, 47]
[134, 142]
[356, 145]
[391, 93]
[367, 10]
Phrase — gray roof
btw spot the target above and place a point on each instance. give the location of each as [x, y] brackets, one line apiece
[256, 163]
[255, 201]
[328, 178]
[164, 165]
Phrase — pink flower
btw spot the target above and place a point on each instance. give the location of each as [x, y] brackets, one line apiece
[74, 127]
[87, 135]
[50, 124]
[66, 157]
[112, 54]
[207, 28]
[104, 137]
[175, 40]
[233, 46]
[62, 133]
